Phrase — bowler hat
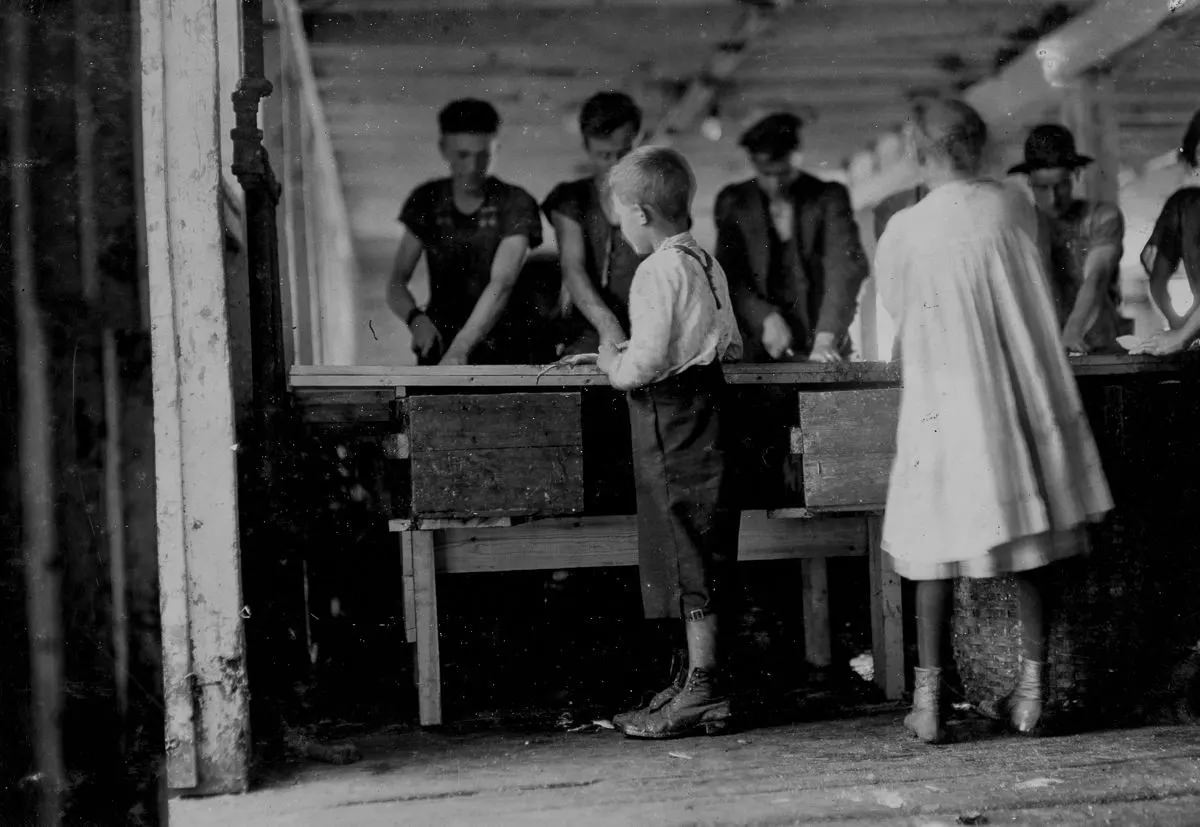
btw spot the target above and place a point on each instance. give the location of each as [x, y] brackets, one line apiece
[1050, 146]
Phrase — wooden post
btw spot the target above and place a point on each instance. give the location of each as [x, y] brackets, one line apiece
[1088, 111]
[868, 304]
[429, 669]
[887, 614]
[815, 603]
[204, 675]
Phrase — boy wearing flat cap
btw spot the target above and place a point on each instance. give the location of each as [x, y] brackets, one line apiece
[790, 246]
[1081, 241]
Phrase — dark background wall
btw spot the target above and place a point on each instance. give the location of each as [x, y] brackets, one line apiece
[70, 70]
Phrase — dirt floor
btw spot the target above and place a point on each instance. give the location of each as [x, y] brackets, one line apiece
[858, 770]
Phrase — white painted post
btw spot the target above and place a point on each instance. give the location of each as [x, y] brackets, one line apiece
[1089, 112]
[868, 311]
[199, 561]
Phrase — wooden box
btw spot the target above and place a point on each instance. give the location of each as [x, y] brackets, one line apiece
[848, 441]
[510, 454]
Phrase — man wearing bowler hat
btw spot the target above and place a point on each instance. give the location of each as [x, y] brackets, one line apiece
[1080, 240]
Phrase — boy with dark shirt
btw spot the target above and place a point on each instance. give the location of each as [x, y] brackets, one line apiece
[475, 231]
[597, 262]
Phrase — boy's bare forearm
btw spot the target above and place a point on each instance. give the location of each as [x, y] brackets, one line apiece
[592, 306]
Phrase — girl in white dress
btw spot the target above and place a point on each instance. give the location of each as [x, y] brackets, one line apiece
[996, 470]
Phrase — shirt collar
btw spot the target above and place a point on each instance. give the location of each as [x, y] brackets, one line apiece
[684, 238]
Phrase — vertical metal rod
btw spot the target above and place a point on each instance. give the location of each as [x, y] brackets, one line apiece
[43, 581]
[253, 170]
[114, 508]
[89, 246]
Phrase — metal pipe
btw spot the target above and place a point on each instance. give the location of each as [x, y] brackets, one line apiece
[253, 170]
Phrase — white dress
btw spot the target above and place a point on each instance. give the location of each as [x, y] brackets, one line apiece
[996, 469]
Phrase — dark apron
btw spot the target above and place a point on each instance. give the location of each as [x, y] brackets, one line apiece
[687, 533]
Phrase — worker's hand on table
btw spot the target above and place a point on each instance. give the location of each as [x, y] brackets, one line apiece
[607, 356]
[776, 336]
[454, 357]
[1162, 344]
[425, 336]
[825, 349]
[1074, 344]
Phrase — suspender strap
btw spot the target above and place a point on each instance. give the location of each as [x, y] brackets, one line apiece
[705, 263]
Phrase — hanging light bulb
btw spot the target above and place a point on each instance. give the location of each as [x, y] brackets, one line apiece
[711, 127]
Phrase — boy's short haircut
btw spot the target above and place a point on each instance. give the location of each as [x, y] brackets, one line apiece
[776, 136]
[657, 177]
[470, 117]
[606, 112]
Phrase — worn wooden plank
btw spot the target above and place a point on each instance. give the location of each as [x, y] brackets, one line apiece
[498, 482]
[501, 376]
[849, 423]
[510, 420]
[437, 523]
[814, 591]
[790, 514]
[612, 541]
[887, 614]
[429, 670]
[847, 481]
[789, 373]
[344, 405]
[408, 587]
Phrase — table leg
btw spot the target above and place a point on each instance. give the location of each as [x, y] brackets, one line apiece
[815, 602]
[429, 673]
[887, 617]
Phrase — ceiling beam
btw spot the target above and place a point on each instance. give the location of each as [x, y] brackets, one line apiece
[1041, 76]
[701, 92]
[419, 6]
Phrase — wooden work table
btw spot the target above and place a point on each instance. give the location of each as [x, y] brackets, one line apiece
[313, 377]
[501, 468]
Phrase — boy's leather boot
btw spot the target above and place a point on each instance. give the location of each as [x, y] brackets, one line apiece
[679, 673]
[699, 707]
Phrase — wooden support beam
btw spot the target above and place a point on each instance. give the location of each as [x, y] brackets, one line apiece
[814, 590]
[701, 93]
[498, 546]
[204, 670]
[419, 6]
[1041, 77]
[1088, 110]
[429, 666]
[318, 236]
[887, 614]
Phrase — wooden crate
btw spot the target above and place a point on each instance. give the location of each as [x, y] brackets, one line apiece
[848, 441]
[511, 454]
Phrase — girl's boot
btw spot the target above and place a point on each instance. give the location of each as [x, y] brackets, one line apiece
[925, 720]
[1025, 703]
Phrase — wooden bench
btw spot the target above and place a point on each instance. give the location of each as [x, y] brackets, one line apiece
[430, 547]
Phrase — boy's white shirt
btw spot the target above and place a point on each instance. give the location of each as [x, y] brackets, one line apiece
[674, 322]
